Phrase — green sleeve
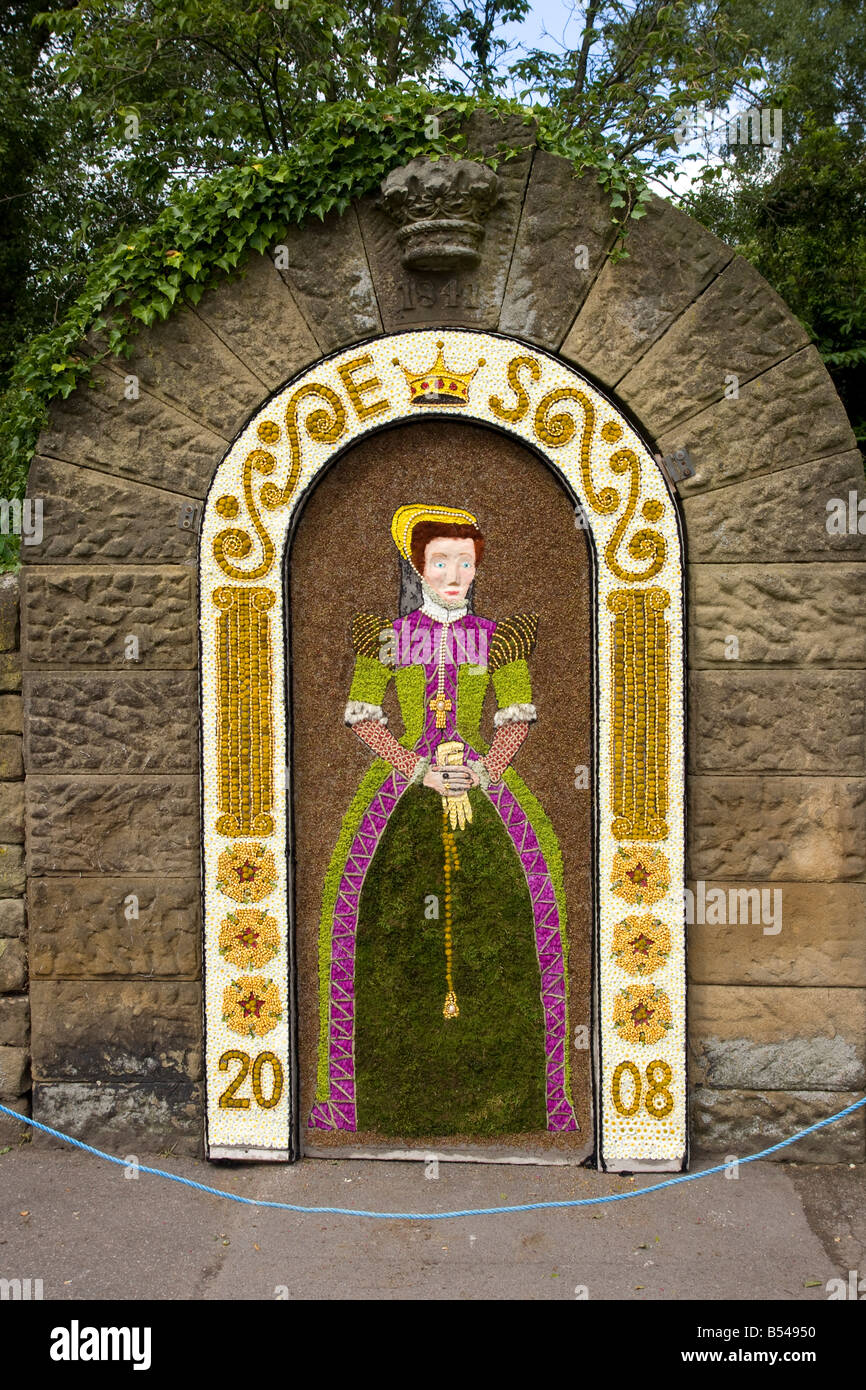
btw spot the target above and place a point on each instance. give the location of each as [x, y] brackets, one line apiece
[512, 684]
[370, 680]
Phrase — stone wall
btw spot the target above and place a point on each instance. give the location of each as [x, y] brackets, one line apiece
[14, 1002]
[702, 353]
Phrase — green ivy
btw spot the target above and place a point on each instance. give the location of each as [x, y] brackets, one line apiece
[206, 231]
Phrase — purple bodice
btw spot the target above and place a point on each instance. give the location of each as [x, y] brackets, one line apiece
[418, 643]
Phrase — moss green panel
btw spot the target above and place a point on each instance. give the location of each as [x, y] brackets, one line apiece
[369, 680]
[416, 1072]
[512, 684]
[471, 687]
[546, 835]
[370, 784]
[411, 685]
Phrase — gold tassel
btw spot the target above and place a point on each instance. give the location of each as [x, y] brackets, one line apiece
[451, 1009]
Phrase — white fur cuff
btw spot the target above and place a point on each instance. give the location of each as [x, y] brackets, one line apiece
[483, 773]
[422, 767]
[358, 710]
[515, 714]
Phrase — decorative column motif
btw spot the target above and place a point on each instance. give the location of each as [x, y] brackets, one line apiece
[245, 711]
[640, 737]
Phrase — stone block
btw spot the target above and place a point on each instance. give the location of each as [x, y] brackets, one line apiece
[330, 280]
[11, 766]
[13, 964]
[15, 1021]
[780, 516]
[10, 714]
[85, 617]
[549, 277]
[14, 1072]
[772, 827]
[471, 296]
[781, 615]
[744, 1122]
[777, 720]
[738, 326]
[671, 260]
[10, 671]
[81, 926]
[12, 875]
[151, 1117]
[254, 313]
[15, 1131]
[792, 409]
[822, 940]
[9, 587]
[140, 721]
[12, 811]
[94, 518]
[142, 439]
[758, 1038]
[495, 133]
[97, 824]
[183, 363]
[90, 1029]
[12, 918]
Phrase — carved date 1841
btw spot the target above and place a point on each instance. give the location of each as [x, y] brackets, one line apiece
[418, 294]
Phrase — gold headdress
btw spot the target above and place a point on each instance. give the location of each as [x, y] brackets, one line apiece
[406, 519]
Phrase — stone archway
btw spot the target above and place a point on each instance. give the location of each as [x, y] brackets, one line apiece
[110, 738]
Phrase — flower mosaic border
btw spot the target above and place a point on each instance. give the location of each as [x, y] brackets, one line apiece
[623, 500]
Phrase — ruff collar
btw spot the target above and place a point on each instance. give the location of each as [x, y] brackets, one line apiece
[439, 608]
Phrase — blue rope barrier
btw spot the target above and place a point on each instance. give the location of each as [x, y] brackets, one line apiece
[430, 1215]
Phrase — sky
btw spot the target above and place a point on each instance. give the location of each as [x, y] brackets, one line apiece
[559, 22]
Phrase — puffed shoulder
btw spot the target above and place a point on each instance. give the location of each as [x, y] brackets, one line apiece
[513, 639]
[368, 631]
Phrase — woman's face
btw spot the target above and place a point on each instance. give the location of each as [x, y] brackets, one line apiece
[449, 566]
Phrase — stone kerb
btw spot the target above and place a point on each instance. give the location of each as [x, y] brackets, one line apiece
[707, 358]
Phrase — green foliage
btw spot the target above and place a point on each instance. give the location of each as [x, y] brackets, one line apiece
[190, 85]
[635, 65]
[205, 232]
[800, 216]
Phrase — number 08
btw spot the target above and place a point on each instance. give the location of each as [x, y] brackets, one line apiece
[659, 1101]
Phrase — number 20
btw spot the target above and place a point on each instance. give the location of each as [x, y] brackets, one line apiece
[230, 1100]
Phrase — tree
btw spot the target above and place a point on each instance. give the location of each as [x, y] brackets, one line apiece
[183, 87]
[481, 49]
[636, 63]
[800, 215]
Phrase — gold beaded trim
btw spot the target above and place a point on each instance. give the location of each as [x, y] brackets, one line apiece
[513, 639]
[367, 632]
[244, 716]
[639, 737]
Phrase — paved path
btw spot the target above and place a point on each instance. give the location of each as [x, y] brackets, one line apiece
[88, 1232]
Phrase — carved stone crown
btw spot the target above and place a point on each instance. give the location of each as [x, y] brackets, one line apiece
[439, 207]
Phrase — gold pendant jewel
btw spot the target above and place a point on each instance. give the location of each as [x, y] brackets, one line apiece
[451, 1010]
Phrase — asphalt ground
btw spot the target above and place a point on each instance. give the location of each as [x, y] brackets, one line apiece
[777, 1231]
